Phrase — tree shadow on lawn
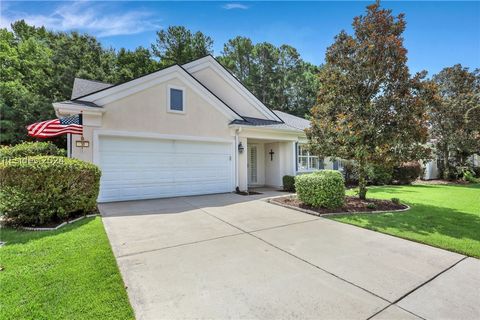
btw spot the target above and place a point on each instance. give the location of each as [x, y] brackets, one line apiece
[425, 220]
[19, 236]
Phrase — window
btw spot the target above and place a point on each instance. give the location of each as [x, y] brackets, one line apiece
[306, 161]
[337, 165]
[176, 97]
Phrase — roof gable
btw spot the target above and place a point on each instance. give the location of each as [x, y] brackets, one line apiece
[119, 91]
[230, 89]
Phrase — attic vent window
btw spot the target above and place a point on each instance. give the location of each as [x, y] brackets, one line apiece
[176, 99]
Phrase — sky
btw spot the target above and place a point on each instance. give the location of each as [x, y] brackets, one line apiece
[439, 33]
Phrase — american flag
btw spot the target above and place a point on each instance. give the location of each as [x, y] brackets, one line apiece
[56, 127]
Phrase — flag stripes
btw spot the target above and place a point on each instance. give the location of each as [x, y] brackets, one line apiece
[56, 127]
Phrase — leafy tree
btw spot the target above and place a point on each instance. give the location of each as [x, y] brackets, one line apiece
[26, 66]
[133, 64]
[237, 56]
[276, 75]
[179, 45]
[455, 121]
[370, 109]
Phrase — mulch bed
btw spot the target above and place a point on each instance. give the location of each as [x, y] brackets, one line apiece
[352, 205]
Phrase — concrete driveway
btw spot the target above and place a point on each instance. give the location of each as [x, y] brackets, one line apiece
[231, 256]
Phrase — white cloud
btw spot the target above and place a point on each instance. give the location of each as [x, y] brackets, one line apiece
[95, 18]
[230, 6]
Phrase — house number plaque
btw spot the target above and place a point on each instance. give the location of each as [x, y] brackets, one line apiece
[82, 143]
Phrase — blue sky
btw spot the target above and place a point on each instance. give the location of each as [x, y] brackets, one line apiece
[438, 34]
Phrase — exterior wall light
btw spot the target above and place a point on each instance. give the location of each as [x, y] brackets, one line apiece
[240, 148]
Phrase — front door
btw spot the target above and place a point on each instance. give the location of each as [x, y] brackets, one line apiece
[252, 164]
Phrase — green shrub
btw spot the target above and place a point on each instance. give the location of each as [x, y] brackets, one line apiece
[396, 200]
[350, 173]
[30, 149]
[376, 174]
[289, 183]
[407, 172]
[43, 189]
[325, 188]
[470, 177]
[380, 175]
[476, 171]
[371, 205]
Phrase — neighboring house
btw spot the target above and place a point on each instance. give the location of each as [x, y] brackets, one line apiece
[184, 130]
[432, 170]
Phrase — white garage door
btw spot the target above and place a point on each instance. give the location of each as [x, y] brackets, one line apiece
[140, 168]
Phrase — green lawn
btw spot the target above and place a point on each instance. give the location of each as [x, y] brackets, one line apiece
[444, 216]
[65, 274]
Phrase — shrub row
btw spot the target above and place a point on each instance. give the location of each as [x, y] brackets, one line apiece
[405, 173]
[30, 149]
[42, 189]
[289, 183]
[325, 188]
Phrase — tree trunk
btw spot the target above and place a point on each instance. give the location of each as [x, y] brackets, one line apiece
[362, 179]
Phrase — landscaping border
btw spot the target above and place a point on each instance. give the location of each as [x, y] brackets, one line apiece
[271, 200]
[61, 224]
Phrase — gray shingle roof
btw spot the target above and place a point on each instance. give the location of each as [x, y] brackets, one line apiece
[289, 122]
[80, 103]
[293, 121]
[83, 87]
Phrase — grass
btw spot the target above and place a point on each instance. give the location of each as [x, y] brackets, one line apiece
[444, 216]
[69, 273]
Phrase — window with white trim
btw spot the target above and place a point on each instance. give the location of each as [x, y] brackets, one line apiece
[307, 161]
[176, 99]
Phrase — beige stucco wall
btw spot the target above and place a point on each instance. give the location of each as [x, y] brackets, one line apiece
[147, 112]
[227, 93]
[281, 164]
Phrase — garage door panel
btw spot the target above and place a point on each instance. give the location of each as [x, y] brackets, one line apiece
[136, 168]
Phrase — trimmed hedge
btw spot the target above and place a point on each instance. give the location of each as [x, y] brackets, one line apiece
[30, 149]
[289, 183]
[380, 175]
[44, 189]
[325, 188]
[407, 172]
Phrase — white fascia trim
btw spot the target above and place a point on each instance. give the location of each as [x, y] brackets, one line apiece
[123, 90]
[153, 135]
[266, 129]
[208, 61]
[63, 108]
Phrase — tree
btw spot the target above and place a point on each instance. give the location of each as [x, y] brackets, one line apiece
[238, 56]
[276, 75]
[134, 64]
[370, 109]
[39, 67]
[179, 45]
[455, 121]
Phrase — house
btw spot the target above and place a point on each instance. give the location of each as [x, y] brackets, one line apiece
[184, 130]
[432, 168]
